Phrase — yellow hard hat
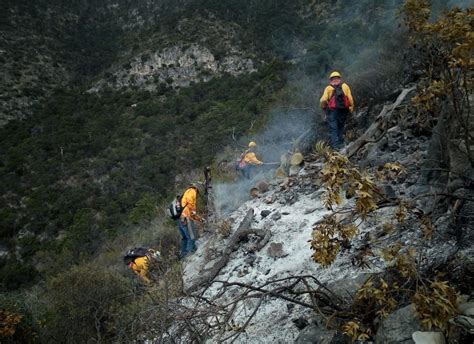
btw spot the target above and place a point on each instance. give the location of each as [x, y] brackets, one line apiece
[252, 144]
[335, 75]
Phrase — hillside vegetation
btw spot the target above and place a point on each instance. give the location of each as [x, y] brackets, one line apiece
[85, 171]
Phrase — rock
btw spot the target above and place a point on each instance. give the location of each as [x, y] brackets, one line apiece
[290, 307]
[276, 216]
[275, 250]
[317, 194]
[253, 192]
[465, 322]
[262, 186]
[310, 210]
[314, 334]
[388, 191]
[428, 337]
[270, 199]
[290, 197]
[265, 213]
[300, 323]
[398, 327]
[467, 308]
[250, 259]
[348, 286]
[294, 170]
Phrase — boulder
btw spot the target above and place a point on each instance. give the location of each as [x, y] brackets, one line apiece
[250, 259]
[310, 210]
[300, 323]
[315, 334]
[275, 250]
[464, 322]
[398, 327]
[428, 337]
[290, 197]
[294, 170]
[254, 192]
[348, 286]
[467, 308]
[265, 213]
[262, 186]
[276, 216]
[270, 199]
[388, 191]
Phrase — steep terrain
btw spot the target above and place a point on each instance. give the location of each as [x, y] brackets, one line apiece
[110, 108]
[281, 274]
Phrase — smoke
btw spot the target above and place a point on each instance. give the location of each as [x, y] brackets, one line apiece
[276, 139]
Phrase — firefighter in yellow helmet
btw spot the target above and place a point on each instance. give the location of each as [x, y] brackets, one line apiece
[140, 260]
[248, 160]
[140, 267]
[337, 103]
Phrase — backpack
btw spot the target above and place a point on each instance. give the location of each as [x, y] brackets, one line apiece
[338, 99]
[134, 253]
[175, 209]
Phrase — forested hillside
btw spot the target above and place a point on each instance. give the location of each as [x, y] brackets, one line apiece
[76, 168]
[108, 108]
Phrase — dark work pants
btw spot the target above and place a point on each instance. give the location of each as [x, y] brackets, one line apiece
[336, 120]
[247, 171]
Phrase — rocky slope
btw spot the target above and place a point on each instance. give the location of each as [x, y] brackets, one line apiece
[176, 66]
[285, 214]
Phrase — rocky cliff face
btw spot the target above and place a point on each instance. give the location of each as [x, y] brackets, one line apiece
[176, 66]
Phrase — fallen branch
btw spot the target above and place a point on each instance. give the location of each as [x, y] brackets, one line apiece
[242, 231]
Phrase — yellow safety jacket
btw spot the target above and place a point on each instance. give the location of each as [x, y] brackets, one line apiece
[188, 202]
[251, 158]
[140, 266]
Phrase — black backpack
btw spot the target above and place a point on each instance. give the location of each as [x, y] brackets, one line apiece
[135, 253]
[338, 99]
[175, 209]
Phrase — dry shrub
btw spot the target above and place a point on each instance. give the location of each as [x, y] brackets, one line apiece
[82, 303]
